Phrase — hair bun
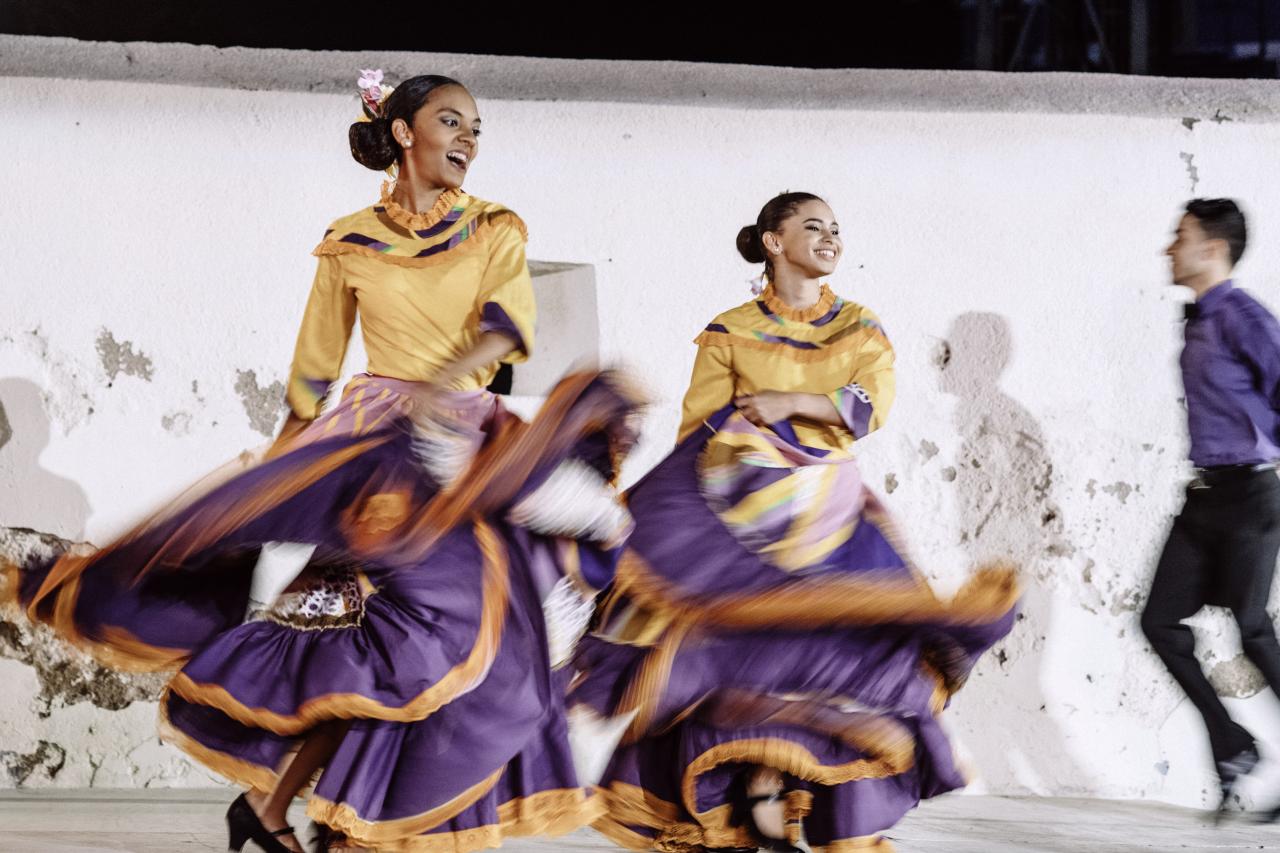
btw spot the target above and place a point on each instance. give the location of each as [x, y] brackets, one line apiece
[372, 144]
[749, 245]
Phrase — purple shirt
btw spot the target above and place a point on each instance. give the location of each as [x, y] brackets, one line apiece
[1231, 373]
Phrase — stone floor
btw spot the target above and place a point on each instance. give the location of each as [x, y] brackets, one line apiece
[191, 820]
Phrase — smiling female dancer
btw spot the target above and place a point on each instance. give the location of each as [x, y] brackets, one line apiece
[781, 661]
[407, 675]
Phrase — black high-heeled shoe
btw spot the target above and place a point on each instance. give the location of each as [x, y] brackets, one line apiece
[244, 824]
[321, 837]
[1229, 773]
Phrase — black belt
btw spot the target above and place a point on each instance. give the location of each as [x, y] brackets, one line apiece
[1222, 475]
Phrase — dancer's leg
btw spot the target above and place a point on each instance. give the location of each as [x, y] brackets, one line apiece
[768, 815]
[1178, 591]
[1247, 566]
[317, 748]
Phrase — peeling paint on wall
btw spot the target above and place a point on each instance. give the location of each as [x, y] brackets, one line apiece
[62, 391]
[1237, 678]
[1127, 602]
[1193, 174]
[118, 357]
[1120, 491]
[178, 423]
[262, 405]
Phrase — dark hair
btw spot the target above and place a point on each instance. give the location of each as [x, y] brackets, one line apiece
[1221, 219]
[372, 143]
[776, 211]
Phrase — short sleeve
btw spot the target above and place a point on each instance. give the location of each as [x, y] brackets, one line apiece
[506, 290]
[864, 401]
[322, 340]
[710, 388]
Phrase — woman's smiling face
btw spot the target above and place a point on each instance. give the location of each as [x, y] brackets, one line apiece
[443, 142]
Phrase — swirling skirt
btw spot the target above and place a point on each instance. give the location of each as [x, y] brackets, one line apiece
[764, 614]
[419, 618]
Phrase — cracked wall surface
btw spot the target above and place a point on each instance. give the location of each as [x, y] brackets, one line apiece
[1013, 255]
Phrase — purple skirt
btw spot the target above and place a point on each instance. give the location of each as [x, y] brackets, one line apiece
[764, 614]
[421, 619]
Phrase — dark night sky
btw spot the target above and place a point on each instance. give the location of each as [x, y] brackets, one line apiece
[1186, 37]
[906, 33]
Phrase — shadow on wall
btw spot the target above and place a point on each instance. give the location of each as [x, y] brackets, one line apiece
[1004, 482]
[31, 496]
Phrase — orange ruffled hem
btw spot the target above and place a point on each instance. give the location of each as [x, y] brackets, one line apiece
[553, 813]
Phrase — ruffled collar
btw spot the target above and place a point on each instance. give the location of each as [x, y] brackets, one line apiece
[819, 309]
[419, 221]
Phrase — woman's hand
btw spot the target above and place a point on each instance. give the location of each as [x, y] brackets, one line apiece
[766, 407]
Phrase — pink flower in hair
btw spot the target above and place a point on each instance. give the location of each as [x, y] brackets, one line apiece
[370, 84]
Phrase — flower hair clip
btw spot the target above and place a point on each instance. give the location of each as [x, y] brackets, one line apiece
[372, 93]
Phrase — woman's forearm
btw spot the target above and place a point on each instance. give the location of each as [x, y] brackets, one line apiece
[816, 407]
[490, 347]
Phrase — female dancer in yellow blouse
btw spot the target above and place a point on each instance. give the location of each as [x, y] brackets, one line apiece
[410, 665]
[779, 660]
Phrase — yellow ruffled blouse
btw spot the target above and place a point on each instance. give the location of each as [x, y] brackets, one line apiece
[836, 348]
[426, 286]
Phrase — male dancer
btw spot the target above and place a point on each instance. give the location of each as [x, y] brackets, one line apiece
[1222, 548]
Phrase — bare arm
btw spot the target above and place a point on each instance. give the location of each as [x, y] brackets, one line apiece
[770, 407]
[489, 348]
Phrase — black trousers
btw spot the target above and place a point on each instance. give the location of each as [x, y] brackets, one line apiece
[1222, 551]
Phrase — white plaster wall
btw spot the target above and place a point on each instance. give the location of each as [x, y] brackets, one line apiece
[165, 231]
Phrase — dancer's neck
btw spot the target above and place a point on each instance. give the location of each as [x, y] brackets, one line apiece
[414, 196]
[796, 290]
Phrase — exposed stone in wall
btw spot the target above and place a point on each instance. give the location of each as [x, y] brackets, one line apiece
[66, 676]
[47, 759]
[64, 719]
